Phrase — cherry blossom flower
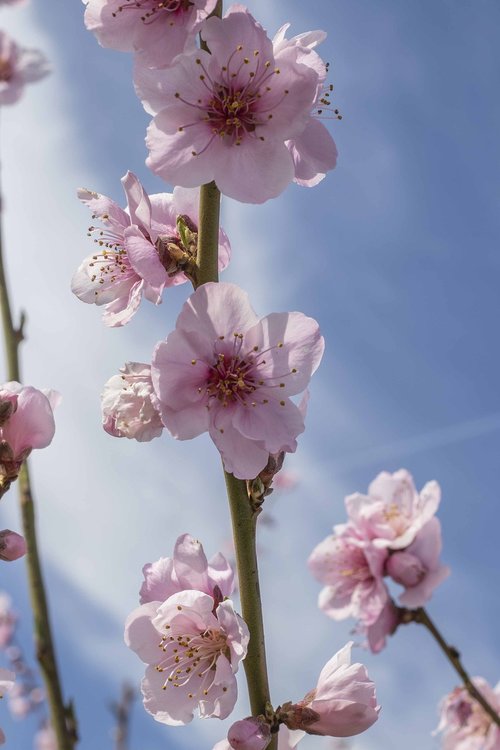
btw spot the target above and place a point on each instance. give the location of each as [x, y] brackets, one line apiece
[193, 650]
[342, 704]
[385, 625]
[352, 570]
[418, 567]
[228, 116]
[18, 66]
[156, 30]
[225, 371]
[150, 245]
[393, 512]
[188, 568]
[464, 723]
[12, 545]
[26, 422]
[6, 682]
[287, 740]
[7, 620]
[129, 404]
[313, 151]
[45, 739]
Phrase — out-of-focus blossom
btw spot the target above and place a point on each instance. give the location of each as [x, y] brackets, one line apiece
[6, 682]
[45, 739]
[229, 115]
[418, 567]
[353, 573]
[464, 723]
[225, 371]
[342, 704]
[12, 2]
[141, 250]
[188, 568]
[129, 404]
[19, 703]
[8, 620]
[193, 651]
[18, 66]
[252, 733]
[385, 625]
[287, 740]
[393, 512]
[12, 545]
[26, 422]
[157, 30]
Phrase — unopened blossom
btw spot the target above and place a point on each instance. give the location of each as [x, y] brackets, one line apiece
[141, 250]
[157, 30]
[12, 545]
[225, 371]
[45, 739]
[394, 511]
[464, 724]
[129, 405]
[342, 704]
[252, 733]
[7, 620]
[287, 740]
[313, 151]
[418, 567]
[18, 66]
[229, 115]
[352, 570]
[26, 422]
[188, 568]
[193, 651]
[6, 682]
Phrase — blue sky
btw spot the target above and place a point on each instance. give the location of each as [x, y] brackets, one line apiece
[396, 255]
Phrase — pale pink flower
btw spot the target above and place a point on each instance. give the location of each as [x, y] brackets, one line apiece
[129, 405]
[352, 570]
[156, 30]
[393, 512]
[418, 567]
[7, 620]
[188, 568]
[6, 682]
[228, 116]
[464, 723]
[287, 740]
[45, 739]
[12, 545]
[193, 651]
[18, 66]
[141, 250]
[225, 371]
[313, 151]
[342, 704]
[19, 703]
[26, 422]
[252, 733]
[385, 625]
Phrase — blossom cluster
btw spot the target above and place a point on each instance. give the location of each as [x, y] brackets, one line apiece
[464, 724]
[391, 532]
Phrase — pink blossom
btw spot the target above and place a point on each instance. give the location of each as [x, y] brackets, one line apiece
[193, 651]
[252, 733]
[12, 545]
[18, 66]
[187, 569]
[143, 249]
[418, 567]
[156, 31]
[352, 570]
[129, 404]
[12, 2]
[19, 703]
[287, 740]
[45, 739]
[6, 682]
[313, 151]
[464, 723]
[342, 704]
[229, 115]
[225, 371]
[26, 422]
[385, 625]
[393, 512]
[7, 620]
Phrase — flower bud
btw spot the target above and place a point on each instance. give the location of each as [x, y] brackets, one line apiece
[405, 568]
[252, 733]
[12, 545]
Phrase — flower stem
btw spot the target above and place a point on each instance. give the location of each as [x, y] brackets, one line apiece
[62, 718]
[208, 234]
[244, 520]
[420, 616]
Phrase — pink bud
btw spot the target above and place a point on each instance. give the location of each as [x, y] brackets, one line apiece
[405, 568]
[12, 545]
[249, 734]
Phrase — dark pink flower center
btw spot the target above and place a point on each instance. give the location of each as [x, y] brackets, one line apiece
[153, 9]
[110, 265]
[349, 561]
